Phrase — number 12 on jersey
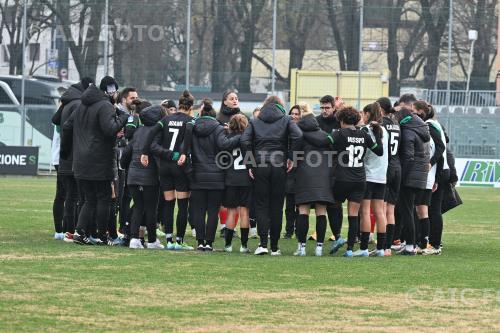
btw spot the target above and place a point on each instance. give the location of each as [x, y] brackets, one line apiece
[355, 156]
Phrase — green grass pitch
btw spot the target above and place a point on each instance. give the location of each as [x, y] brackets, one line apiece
[48, 285]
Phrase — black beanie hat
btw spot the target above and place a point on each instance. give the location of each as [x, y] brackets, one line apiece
[169, 104]
[106, 82]
[385, 103]
[86, 81]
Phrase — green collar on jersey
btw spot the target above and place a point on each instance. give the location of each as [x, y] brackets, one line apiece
[405, 120]
[207, 117]
[330, 138]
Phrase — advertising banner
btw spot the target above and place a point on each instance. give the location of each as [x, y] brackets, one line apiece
[18, 160]
[478, 172]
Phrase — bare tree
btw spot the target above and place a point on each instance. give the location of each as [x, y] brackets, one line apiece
[435, 26]
[202, 20]
[87, 17]
[395, 12]
[247, 13]
[344, 21]
[218, 11]
[484, 21]
[299, 22]
[38, 19]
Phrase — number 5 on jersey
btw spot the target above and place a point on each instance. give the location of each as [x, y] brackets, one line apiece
[394, 143]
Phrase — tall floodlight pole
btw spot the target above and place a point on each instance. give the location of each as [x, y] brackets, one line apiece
[273, 71]
[498, 60]
[188, 43]
[106, 38]
[360, 61]
[450, 37]
[472, 38]
[23, 80]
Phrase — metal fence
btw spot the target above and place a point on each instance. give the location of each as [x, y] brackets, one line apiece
[461, 97]
[473, 135]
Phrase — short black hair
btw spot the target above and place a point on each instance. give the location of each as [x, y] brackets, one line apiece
[126, 91]
[327, 99]
[407, 99]
[86, 82]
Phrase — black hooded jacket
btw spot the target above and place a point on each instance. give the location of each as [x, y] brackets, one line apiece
[414, 150]
[94, 125]
[225, 114]
[313, 175]
[328, 124]
[131, 157]
[209, 138]
[267, 136]
[70, 101]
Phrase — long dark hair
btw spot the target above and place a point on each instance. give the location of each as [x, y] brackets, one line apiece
[186, 101]
[207, 110]
[224, 97]
[375, 112]
[296, 106]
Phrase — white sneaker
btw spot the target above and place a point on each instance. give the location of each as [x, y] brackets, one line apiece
[318, 252]
[244, 249]
[361, 253]
[399, 247]
[58, 236]
[253, 233]
[301, 251]
[430, 251]
[228, 249]
[276, 253]
[261, 251]
[135, 243]
[193, 233]
[156, 245]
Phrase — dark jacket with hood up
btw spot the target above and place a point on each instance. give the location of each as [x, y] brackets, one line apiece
[267, 137]
[414, 150]
[131, 157]
[312, 182]
[209, 138]
[95, 125]
[70, 101]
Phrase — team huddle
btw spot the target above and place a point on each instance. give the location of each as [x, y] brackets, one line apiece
[122, 158]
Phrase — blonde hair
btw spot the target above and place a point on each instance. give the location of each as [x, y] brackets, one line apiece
[305, 109]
